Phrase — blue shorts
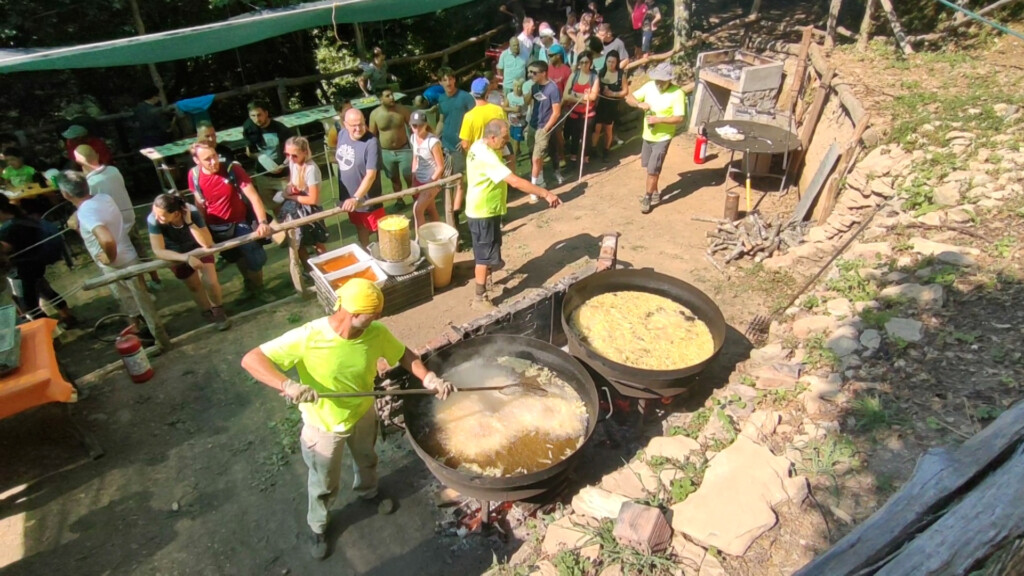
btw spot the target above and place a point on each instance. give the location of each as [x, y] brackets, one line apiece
[516, 133]
[647, 36]
[252, 253]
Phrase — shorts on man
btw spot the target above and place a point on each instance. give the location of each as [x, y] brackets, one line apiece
[183, 271]
[367, 220]
[652, 156]
[486, 234]
[538, 139]
[454, 162]
[398, 161]
[252, 252]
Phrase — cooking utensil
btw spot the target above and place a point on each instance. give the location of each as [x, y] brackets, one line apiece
[507, 390]
[637, 379]
[757, 330]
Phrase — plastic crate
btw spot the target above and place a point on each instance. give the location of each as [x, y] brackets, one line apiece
[400, 292]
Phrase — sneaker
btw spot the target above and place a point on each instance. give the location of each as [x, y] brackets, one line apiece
[483, 304]
[645, 205]
[656, 198]
[559, 178]
[318, 546]
[534, 198]
[218, 317]
[618, 141]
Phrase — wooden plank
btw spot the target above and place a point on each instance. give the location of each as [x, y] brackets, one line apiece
[847, 98]
[845, 162]
[988, 517]
[938, 480]
[792, 96]
[831, 156]
[811, 123]
[130, 271]
[897, 29]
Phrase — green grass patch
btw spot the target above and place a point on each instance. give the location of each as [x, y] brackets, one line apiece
[875, 318]
[822, 456]
[849, 283]
[692, 429]
[817, 354]
[871, 413]
[570, 563]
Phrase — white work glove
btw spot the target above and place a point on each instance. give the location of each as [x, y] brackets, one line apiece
[298, 393]
[439, 385]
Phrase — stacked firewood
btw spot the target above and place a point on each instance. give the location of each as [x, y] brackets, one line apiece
[752, 236]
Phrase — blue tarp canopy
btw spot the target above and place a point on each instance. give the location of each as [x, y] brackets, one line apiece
[210, 38]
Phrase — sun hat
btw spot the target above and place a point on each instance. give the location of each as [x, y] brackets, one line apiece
[662, 71]
[545, 30]
[74, 131]
[556, 49]
[479, 87]
[359, 296]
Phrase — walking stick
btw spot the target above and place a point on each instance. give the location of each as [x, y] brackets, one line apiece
[583, 146]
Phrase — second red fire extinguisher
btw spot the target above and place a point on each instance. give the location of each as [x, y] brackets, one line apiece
[700, 152]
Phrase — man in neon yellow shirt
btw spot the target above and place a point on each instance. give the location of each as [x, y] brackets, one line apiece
[664, 106]
[486, 203]
[337, 353]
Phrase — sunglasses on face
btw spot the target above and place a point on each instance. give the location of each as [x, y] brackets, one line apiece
[532, 72]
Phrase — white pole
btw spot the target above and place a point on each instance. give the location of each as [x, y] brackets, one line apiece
[583, 146]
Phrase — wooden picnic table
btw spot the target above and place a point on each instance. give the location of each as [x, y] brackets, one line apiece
[33, 190]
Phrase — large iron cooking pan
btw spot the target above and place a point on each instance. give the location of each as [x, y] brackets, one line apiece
[653, 283]
[505, 488]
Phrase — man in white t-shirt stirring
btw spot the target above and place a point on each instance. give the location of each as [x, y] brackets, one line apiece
[106, 237]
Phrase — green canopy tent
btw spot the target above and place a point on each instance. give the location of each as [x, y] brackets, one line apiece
[210, 38]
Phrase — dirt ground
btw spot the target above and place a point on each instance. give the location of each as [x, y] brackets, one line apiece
[199, 475]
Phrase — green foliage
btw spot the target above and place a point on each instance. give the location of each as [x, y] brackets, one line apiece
[849, 283]
[987, 412]
[872, 414]
[875, 318]
[810, 302]
[822, 456]
[692, 429]
[1003, 247]
[944, 275]
[748, 380]
[294, 318]
[779, 397]
[632, 561]
[570, 563]
[817, 354]
[918, 198]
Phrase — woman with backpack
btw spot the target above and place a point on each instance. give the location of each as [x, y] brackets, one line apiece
[580, 96]
[302, 198]
[29, 249]
[175, 229]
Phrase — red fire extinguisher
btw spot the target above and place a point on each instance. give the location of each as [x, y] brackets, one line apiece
[700, 152]
[134, 356]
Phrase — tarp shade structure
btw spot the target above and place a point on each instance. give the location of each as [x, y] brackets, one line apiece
[210, 38]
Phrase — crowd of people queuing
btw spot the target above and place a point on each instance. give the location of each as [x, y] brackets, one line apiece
[555, 96]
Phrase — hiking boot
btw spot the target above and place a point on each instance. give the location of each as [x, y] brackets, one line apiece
[258, 294]
[655, 198]
[218, 317]
[318, 546]
[483, 304]
[645, 205]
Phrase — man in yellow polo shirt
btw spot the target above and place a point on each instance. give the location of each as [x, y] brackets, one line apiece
[337, 353]
[664, 106]
[486, 203]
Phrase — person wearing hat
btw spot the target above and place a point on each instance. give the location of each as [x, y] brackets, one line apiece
[510, 65]
[77, 135]
[427, 166]
[664, 106]
[337, 353]
[475, 120]
[547, 39]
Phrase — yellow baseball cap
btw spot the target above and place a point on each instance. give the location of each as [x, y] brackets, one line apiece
[359, 296]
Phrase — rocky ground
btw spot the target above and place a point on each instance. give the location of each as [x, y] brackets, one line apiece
[911, 339]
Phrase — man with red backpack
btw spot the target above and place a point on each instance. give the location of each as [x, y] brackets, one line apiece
[232, 208]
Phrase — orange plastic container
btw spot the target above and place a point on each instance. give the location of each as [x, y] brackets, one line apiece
[38, 380]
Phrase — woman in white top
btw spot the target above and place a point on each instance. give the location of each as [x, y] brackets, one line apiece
[427, 166]
[302, 198]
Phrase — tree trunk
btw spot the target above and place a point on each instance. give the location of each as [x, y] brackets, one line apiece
[865, 26]
[897, 29]
[683, 11]
[140, 28]
[830, 28]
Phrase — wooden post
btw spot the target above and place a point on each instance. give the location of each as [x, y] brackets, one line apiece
[295, 263]
[449, 209]
[897, 29]
[149, 312]
[830, 28]
[846, 160]
[865, 26]
[791, 97]
[811, 123]
[361, 51]
[756, 8]
[282, 96]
